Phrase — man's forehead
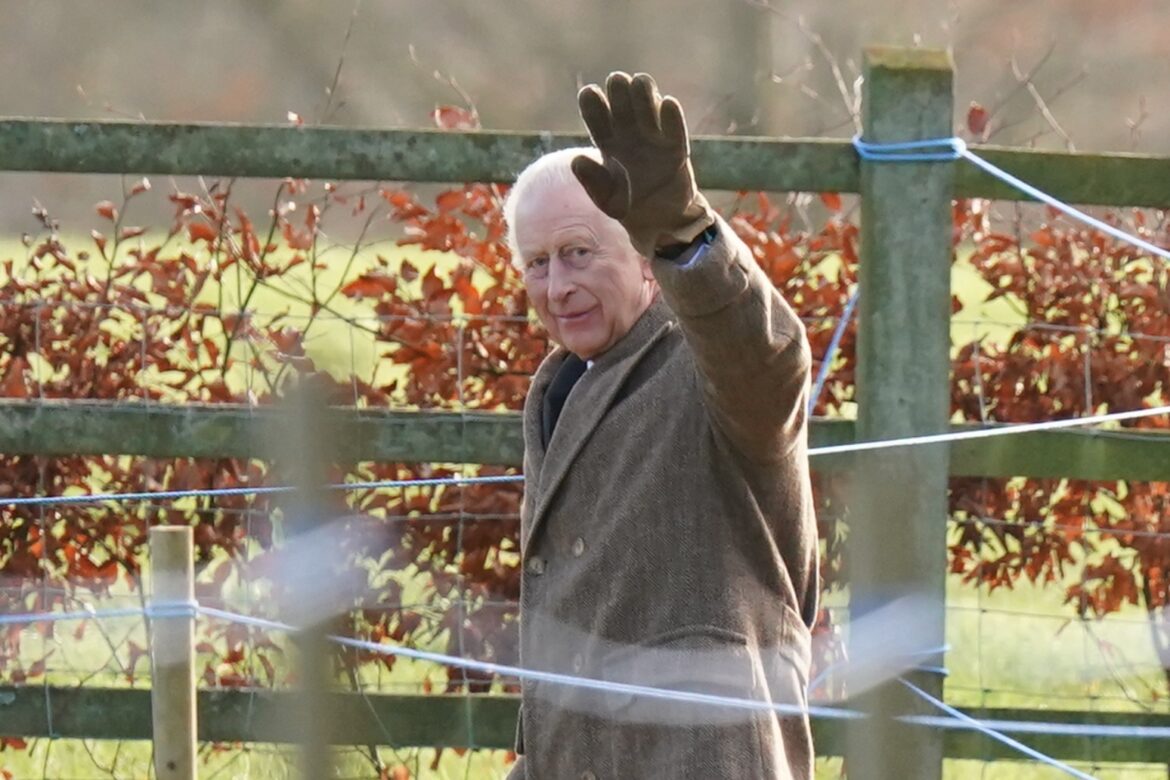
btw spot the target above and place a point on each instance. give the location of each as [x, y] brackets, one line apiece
[555, 197]
[555, 214]
[557, 229]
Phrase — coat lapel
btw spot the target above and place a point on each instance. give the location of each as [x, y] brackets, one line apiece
[586, 406]
[533, 408]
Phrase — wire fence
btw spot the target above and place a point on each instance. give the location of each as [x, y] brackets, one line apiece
[426, 618]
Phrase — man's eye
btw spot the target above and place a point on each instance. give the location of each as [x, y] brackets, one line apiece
[538, 262]
[577, 255]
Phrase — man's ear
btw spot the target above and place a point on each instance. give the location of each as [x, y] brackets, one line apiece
[647, 273]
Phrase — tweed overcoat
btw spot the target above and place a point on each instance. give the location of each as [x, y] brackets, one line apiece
[668, 539]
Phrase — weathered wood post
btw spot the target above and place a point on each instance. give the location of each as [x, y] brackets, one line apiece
[305, 445]
[172, 652]
[897, 536]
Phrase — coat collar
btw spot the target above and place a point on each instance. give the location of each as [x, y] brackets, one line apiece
[589, 400]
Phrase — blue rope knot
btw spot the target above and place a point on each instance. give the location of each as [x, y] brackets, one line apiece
[926, 150]
[172, 609]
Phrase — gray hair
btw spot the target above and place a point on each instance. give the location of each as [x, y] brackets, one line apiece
[553, 168]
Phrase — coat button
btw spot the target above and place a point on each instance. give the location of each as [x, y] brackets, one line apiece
[578, 662]
[536, 565]
[578, 547]
[588, 775]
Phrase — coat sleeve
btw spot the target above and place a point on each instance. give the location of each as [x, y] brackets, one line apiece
[749, 346]
[517, 770]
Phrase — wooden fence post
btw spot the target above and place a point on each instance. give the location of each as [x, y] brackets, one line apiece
[305, 445]
[172, 652]
[897, 534]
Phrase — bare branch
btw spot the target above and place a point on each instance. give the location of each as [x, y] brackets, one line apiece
[1041, 104]
[849, 90]
[1056, 95]
[1019, 87]
[108, 107]
[446, 80]
[706, 121]
[331, 90]
[1116, 673]
[1135, 125]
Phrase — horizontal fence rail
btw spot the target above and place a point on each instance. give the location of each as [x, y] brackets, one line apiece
[485, 721]
[232, 431]
[495, 438]
[787, 165]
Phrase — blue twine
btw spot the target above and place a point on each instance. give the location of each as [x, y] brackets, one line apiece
[521, 673]
[831, 352]
[905, 151]
[161, 495]
[1049, 729]
[956, 148]
[942, 150]
[984, 729]
[171, 609]
[942, 671]
[23, 618]
[958, 719]
[157, 609]
[910, 151]
[1061, 206]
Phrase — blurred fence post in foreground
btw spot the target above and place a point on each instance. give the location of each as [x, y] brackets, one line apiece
[172, 652]
[304, 446]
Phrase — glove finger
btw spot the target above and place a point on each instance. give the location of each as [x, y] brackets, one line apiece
[645, 102]
[674, 125]
[595, 113]
[617, 88]
[607, 185]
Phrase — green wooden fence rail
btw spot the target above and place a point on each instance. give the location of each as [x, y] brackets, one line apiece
[482, 721]
[494, 438]
[784, 165]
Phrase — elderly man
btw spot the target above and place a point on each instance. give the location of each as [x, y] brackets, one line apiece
[668, 542]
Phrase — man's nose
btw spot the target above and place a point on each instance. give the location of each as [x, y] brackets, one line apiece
[560, 280]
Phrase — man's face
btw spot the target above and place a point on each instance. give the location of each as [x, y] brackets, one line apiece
[584, 278]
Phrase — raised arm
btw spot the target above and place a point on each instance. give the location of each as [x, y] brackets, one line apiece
[749, 346]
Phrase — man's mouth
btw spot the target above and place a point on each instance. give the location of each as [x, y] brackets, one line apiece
[575, 316]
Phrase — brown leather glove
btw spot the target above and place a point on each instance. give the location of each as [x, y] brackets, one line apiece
[645, 180]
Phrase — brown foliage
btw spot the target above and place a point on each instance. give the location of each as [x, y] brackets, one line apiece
[1098, 316]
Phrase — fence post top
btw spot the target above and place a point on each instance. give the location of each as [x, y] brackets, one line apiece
[170, 531]
[905, 58]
